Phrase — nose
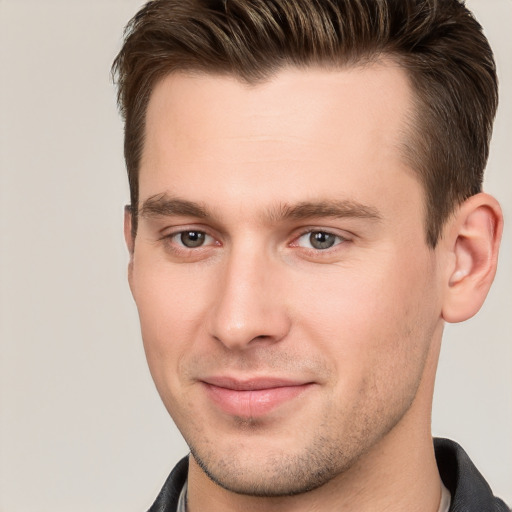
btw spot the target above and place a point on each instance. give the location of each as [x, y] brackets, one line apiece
[248, 308]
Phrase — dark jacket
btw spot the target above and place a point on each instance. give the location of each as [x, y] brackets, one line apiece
[470, 492]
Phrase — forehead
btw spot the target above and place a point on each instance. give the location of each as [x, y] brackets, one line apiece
[308, 127]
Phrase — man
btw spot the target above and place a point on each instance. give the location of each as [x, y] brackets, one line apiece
[306, 214]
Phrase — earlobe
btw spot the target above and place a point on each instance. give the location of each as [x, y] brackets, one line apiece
[473, 238]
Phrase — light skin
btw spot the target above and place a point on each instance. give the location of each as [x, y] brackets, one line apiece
[290, 308]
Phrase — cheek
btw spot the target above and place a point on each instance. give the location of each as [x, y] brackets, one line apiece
[371, 319]
[170, 311]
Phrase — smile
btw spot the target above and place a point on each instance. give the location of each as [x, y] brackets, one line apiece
[252, 398]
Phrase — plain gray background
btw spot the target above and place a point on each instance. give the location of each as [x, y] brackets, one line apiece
[81, 425]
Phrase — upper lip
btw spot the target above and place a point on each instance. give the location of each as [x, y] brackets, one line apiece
[252, 384]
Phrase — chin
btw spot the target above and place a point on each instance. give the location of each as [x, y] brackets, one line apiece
[278, 474]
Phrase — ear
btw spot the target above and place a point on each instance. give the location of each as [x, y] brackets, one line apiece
[128, 234]
[130, 241]
[472, 238]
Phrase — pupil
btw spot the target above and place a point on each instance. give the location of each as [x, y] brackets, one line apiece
[192, 238]
[320, 240]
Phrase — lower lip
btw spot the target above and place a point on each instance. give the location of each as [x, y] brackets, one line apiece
[253, 403]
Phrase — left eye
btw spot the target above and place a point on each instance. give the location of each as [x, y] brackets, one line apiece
[319, 240]
[192, 239]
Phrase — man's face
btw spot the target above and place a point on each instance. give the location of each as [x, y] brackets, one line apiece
[288, 301]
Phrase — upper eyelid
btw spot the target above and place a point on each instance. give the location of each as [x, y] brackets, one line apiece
[345, 235]
[169, 231]
[325, 231]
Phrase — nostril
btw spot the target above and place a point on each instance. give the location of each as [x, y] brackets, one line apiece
[246, 336]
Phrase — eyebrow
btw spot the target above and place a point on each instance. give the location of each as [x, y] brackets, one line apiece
[325, 208]
[163, 205]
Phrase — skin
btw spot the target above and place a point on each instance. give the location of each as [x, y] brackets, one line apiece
[255, 170]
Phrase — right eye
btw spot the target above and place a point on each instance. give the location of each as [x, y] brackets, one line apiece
[192, 239]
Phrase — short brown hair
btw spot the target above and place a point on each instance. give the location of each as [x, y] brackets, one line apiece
[438, 42]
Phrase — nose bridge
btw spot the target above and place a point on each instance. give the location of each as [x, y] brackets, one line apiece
[247, 308]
